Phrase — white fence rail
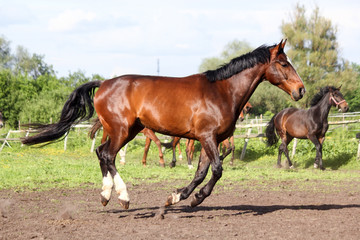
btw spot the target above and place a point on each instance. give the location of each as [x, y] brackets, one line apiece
[249, 125]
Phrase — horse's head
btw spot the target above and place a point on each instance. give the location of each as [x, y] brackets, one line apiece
[247, 108]
[281, 73]
[336, 99]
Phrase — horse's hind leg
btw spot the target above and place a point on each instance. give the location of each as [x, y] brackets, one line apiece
[146, 150]
[107, 179]
[151, 135]
[107, 154]
[232, 149]
[285, 140]
[190, 148]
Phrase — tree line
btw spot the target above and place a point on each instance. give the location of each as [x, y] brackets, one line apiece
[314, 52]
[30, 91]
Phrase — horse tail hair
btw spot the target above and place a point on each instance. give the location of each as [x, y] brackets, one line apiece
[168, 145]
[78, 108]
[270, 133]
[96, 126]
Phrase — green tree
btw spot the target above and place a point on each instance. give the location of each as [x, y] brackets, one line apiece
[314, 52]
[32, 65]
[231, 50]
[5, 54]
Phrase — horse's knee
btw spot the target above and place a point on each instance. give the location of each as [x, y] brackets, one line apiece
[217, 170]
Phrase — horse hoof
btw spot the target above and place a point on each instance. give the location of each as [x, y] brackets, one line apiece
[316, 165]
[172, 164]
[172, 199]
[162, 165]
[104, 201]
[122, 162]
[169, 201]
[124, 204]
[195, 201]
[190, 166]
[278, 166]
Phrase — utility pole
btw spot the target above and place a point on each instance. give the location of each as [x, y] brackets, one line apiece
[158, 67]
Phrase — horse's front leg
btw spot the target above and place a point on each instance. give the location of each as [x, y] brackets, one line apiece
[200, 175]
[216, 167]
[318, 159]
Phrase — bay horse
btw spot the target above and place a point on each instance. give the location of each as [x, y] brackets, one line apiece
[2, 121]
[207, 107]
[305, 124]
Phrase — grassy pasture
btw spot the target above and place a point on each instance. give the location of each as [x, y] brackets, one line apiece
[35, 169]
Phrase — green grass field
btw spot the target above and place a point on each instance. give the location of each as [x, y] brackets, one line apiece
[24, 168]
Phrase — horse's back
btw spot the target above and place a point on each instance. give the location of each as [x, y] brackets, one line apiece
[159, 103]
[292, 121]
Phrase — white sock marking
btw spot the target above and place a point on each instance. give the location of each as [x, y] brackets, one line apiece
[120, 188]
[107, 186]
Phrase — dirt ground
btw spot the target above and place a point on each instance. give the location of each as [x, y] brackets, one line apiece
[234, 212]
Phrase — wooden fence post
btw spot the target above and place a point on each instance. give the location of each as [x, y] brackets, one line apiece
[5, 141]
[65, 140]
[93, 143]
[294, 147]
[242, 156]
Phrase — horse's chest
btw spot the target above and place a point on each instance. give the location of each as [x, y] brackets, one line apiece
[322, 128]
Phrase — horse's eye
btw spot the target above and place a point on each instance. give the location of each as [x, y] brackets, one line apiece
[284, 64]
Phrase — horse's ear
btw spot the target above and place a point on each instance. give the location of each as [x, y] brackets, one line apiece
[278, 49]
[339, 87]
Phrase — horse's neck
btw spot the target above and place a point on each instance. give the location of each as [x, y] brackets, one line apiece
[323, 107]
[244, 84]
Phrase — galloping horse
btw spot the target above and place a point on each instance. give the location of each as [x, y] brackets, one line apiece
[207, 107]
[305, 124]
[2, 121]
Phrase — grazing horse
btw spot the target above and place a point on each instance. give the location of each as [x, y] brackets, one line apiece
[207, 107]
[305, 124]
[2, 121]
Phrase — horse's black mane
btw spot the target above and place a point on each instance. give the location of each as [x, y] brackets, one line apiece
[236, 65]
[321, 94]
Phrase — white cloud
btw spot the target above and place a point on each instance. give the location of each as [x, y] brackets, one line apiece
[69, 20]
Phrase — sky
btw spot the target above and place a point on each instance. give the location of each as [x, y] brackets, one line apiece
[113, 38]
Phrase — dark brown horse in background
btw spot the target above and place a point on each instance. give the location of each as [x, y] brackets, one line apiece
[305, 124]
[207, 108]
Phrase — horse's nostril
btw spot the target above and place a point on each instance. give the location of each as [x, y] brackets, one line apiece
[301, 91]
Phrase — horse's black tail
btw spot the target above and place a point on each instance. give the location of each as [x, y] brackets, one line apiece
[270, 134]
[78, 108]
[96, 126]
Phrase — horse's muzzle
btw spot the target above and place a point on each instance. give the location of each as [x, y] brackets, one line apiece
[298, 94]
